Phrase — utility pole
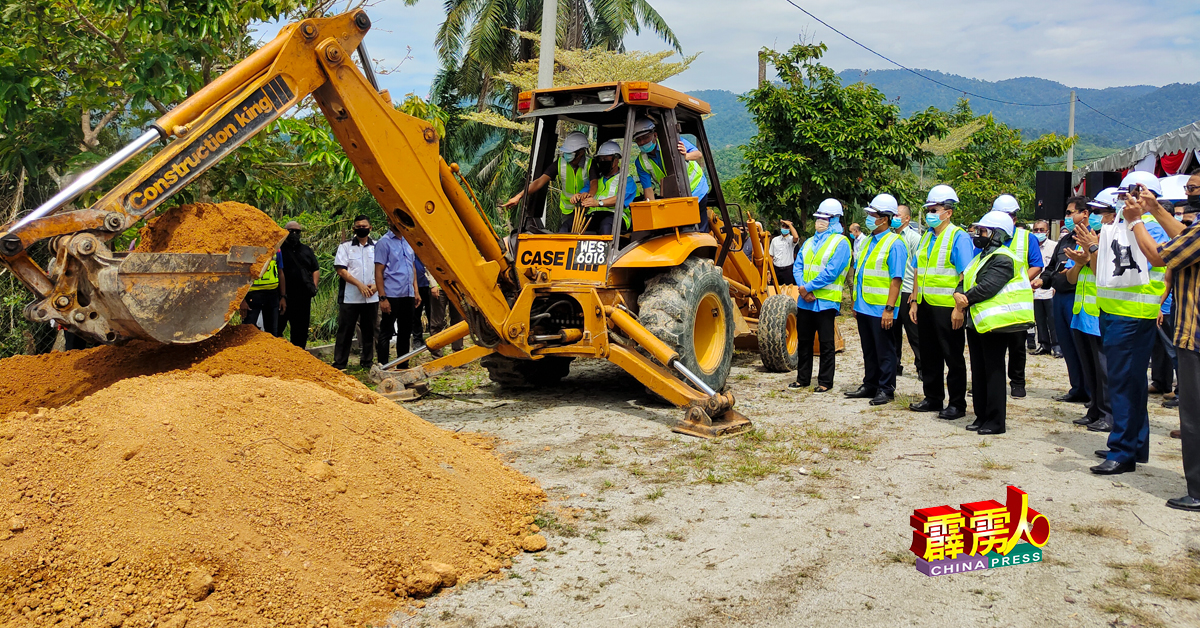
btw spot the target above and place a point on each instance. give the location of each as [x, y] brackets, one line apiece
[546, 55]
[762, 68]
[1070, 134]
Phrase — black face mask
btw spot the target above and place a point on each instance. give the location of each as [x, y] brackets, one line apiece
[293, 238]
[362, 232]
[981, 242]
[1194, 202]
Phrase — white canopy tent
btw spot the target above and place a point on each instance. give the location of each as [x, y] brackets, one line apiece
[1146, 155]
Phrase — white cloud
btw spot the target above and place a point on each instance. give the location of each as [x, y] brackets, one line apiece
[1095, 43]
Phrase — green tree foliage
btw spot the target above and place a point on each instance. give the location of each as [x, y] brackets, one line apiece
[818, 139]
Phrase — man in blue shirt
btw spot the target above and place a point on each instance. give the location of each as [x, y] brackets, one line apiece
[877, 281]
[821, 270]
[424, 297]
[1027, 248]
[651, 169]
[396, 279]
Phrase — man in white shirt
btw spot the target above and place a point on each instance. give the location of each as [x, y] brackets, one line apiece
[783, 252]
[1043, 295]
[908, 232]
[358, 298]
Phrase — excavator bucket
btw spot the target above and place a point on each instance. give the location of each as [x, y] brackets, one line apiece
[715, 418]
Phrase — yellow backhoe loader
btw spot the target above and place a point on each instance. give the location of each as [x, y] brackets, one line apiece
[647, 297]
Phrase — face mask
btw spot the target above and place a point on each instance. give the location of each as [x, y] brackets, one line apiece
[783, 231]
[1119, 205]
[870, 223]
[1069, 224]
[933, 220]
[896, 222]
[981, 242]
[1194, 202]
[1041, 237]
[1095, 222]
[362, 232]
[293, 238]
[568, 157]
[821, 225]
[648, 148]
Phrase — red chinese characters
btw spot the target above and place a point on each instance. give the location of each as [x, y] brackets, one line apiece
[979, 528]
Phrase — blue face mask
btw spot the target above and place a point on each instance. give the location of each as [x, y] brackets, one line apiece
[1095, 222]
[1069, 224]
[783, 231]
[933, 220]
[648, 148]
[569, 157]
[870, 223]
[896, 222]
[1041, 237]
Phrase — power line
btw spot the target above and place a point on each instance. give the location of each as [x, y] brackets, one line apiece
[1147, 134]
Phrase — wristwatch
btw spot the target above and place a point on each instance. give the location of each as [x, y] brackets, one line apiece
[889, 308]
[1093, 248]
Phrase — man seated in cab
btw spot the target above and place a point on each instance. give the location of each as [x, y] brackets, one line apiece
[651, 170]
[599, 196]
[571, 169]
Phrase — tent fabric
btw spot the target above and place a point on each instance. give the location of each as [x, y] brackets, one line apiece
[1171, 163]
[1182, 139]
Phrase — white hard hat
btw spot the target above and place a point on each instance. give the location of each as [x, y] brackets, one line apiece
[997, 220]
[830, 207]
[1006, 203]
[940, 194]
[884, 204]
[642, 125]
[1172, 187]
[1106, 199]
[574, 141]
[1138, 177]
[609, 148]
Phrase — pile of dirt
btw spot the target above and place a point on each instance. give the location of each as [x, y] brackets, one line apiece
[29, 382]
[209, 228]
[213, 498]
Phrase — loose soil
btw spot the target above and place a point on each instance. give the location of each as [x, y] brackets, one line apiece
[209, 228]
[196, 489]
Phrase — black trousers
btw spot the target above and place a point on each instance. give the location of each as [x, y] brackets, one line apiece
[418, 330]
[879, 354]
[1095, 368]
[820, 324]
[398, 322]
[989, 398]
[1017, 358]
[298, 317]
[903, 325]
[265, 302]
[942, 354]
[1189, 417]
[1064, 302]
[784, 275]
[350, 315]
[1162, 366]
[1043, 314]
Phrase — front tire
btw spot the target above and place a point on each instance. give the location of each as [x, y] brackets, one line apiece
[688, 307]
[514, 373]
[778, 341]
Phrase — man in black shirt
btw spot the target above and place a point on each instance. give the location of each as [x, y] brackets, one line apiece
[1055, 276]
[302, 275]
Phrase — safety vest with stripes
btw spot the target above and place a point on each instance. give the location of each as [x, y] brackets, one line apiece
[938, 277]
[694, 171]
[269, 279]
[1143, 301]
[1085, 293]
[1020, 248]
[815, 261]
[873, 271]
[1013, 305]
[572, 181]
[606, 188]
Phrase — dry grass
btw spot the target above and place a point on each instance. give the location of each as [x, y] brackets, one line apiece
[1178, 579]
[1099, 530]
[1139, 617]
[992, 465]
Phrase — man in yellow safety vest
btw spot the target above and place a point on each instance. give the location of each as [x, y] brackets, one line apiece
[599, 196]
[995, 300]
[651, 169]
[1028, 252]
[571, 169]
[267, 297]
[821, 270]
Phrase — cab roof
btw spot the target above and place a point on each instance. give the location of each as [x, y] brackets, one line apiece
[606, 97]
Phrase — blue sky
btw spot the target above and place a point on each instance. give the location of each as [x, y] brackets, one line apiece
[1089, 43]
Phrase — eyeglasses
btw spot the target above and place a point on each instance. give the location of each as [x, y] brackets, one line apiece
[1191, 189]
[1041, 231]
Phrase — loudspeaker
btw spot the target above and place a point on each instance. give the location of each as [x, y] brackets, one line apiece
[1051, 190]
[1099, 180]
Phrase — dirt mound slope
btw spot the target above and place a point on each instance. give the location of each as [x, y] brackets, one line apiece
[51, 380]
[210, 498]
[209, 228]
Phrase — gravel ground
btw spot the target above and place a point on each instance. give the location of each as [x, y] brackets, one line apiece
[805, 521]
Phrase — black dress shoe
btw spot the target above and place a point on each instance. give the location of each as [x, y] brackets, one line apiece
[862, 393]
[1018, 392]
[984, 431]
[1186, 502]
[900, 369]
[1085, 420]
[973, 426]
[1112, 467]
[1171, 403]
[881, 399]
[1056, 353]
[951, 413]
[1102, 454]
[925, 405]
[1069, 399]
[1100, 426]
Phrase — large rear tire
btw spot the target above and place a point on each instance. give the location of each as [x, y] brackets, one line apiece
[514, 373]
[778, 342]
[688, 307]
